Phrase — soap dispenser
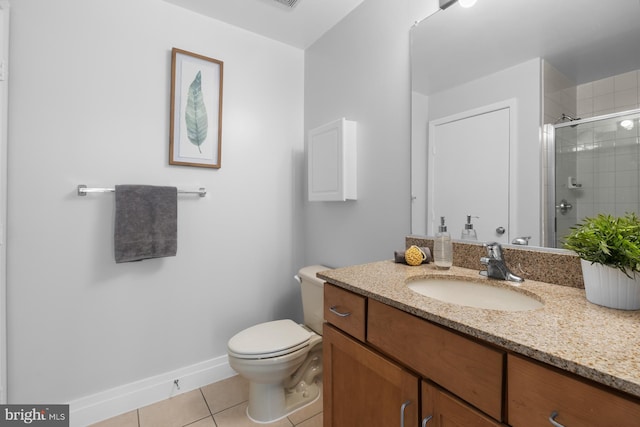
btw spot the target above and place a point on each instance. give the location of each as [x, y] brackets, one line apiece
[468, 233]
[443, 248]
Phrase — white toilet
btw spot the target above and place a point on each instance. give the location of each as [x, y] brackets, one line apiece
[281, 359]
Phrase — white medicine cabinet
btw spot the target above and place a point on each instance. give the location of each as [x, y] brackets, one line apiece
[331, 161]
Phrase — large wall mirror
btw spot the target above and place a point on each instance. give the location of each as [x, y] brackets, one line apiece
[520, 74]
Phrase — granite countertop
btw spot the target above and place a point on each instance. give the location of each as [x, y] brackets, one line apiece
[568, 332]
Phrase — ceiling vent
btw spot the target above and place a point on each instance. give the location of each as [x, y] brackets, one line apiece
[289, 3]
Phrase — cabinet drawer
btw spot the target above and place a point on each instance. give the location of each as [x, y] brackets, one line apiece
[345, 310]
[535, 391]
[470, 370]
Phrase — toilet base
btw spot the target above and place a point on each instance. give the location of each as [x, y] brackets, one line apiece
[272, 402]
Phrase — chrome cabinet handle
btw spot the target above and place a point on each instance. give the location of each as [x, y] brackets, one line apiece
[426, 420]
[552, 419]
[402, 408]
[334, 310]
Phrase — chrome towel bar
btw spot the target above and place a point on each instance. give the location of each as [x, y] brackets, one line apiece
[83, 190]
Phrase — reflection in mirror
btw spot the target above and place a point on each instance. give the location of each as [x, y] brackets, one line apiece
[596, 169]
[554, 62]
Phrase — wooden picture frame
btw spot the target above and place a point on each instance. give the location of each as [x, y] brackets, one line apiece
[196, 110]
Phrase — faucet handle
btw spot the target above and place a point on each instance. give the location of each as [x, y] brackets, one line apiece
[523, 240]
[494, 250]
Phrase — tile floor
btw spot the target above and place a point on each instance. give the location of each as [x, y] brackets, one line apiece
[221, 404]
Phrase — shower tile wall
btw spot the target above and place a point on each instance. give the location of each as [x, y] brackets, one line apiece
[608, 158]
[560, 94]
[608, 155]
[610, 95]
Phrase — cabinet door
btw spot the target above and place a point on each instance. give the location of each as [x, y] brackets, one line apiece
[537, 393]
[331, 162]
[362, 388]
[445, 410]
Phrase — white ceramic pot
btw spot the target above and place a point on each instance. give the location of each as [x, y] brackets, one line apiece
[610, 287]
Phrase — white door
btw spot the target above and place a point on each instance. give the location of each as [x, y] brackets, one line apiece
[469, 173]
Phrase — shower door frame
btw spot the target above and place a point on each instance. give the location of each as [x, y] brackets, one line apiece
[548, 237]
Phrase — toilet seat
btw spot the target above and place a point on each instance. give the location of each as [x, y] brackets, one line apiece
[269, 339]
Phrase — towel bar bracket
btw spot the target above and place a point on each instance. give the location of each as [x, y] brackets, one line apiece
[83, 190]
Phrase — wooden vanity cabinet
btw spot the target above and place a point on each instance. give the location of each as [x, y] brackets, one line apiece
[536, 391]
[369, 386]
[470, 370]
[362, 388]
[377, 357]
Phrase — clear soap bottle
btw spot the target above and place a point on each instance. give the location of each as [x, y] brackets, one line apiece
[443, 248]
[468, 233]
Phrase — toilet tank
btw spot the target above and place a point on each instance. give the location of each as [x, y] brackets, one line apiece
[312, 290]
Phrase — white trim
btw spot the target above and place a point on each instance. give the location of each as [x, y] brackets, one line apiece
[4, 96]
[109, 403]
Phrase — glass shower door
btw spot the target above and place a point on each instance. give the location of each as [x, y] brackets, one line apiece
[596, 169]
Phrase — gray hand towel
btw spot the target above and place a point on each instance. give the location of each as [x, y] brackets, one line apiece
[146, 223]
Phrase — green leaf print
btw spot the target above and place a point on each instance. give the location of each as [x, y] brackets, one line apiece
[196, 113]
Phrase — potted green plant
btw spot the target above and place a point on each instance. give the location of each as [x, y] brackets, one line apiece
[609, 251]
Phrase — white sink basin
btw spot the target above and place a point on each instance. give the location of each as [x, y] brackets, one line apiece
[474, 294]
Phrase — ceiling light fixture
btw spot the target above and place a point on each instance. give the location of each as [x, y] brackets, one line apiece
[467, 3]
[627, 124]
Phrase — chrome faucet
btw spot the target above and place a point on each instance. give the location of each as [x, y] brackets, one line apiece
[496, 267]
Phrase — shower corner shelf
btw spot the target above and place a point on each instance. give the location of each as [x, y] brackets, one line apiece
[572, 184]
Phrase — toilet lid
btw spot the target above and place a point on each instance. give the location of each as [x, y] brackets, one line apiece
[269, 339]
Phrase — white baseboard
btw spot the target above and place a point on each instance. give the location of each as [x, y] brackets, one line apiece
[109, 403]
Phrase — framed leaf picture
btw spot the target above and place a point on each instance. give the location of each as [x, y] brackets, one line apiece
[196, 110]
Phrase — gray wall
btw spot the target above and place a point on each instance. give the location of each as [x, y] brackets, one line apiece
[89, 104]
[360, 70]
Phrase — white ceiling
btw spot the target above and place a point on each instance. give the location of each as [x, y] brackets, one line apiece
[299, 26]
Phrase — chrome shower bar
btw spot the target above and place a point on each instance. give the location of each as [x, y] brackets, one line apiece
[83, 190]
